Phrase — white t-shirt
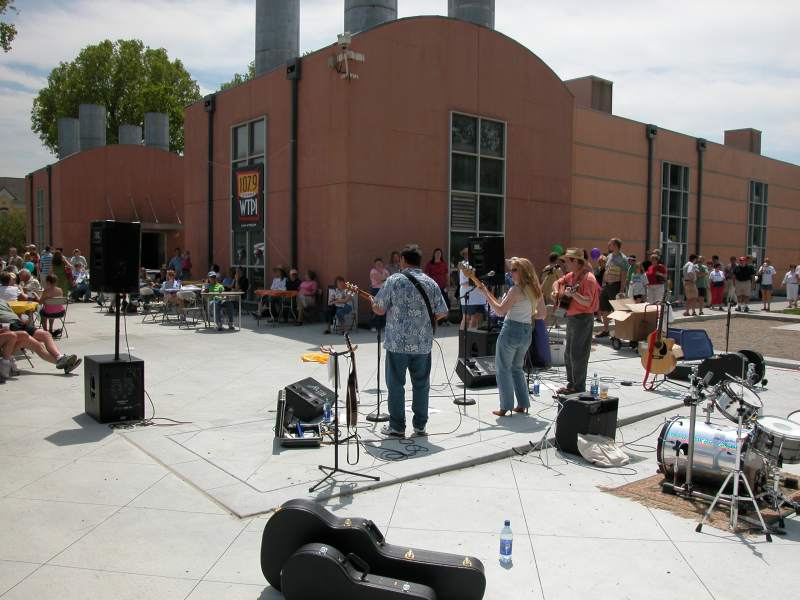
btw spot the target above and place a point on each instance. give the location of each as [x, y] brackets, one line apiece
[9, 292]
[688, 268]
[716, 276]
[766, 274]
[790, 277]
[476, 297]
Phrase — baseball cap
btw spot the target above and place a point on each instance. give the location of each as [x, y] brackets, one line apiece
[211, 274]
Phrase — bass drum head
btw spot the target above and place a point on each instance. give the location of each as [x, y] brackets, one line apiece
[757, 360]
[726, 398]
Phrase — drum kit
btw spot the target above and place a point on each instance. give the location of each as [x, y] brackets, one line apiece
[751, 453]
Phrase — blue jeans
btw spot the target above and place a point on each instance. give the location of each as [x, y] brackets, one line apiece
[217, 306]
[512, 346]
[419, 367]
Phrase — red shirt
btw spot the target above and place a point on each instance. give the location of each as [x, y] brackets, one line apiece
[587, 287]
[439, 272]
[651, 274]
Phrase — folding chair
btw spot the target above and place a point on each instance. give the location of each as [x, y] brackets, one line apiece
[59, 316]
[151, 305]
[191, 308]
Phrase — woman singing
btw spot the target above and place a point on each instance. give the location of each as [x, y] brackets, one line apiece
[518, 306]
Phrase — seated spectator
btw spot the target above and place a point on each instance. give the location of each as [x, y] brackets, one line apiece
[37, 340]
[228, 281]
[217, 304]
[293, 282]
[306, 295]
[274, 304]
[8, 287]
[29, 284]
[169, 289]
[50, 312]
[240, 282]
[278, 279]
[80, 284]
[339, 302]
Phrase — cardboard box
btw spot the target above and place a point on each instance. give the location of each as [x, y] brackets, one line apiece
[633, 322]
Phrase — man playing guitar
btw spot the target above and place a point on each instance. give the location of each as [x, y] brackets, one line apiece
[581, 287]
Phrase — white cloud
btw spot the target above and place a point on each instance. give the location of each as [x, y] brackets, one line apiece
[695, 67]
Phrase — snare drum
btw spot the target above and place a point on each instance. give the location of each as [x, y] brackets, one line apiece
[777, 438]
[727, 395]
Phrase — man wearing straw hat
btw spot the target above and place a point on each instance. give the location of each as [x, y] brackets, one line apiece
[581, 287]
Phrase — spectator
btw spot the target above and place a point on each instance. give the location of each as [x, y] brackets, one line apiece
[638, 283]
[744, 275]
[766, 273]
[240, 282]
[217, 304]
[730, 281]
[438, 270]
[471, 299]
[656, 279]
[170, 291]
[293, 282]
[278, 279]
[30, 285]
[45, 262]
[701, 282]
[614, 280]
[394, 263]
[77, 258]
[80, 283]
[689, 274]
[14, 260]
[228, 281]
[8, 288]
[176, 262]
[339, 302]
[550, 274]
[791, 281]
[378, 274]
[186, 266]
[61, 270]
[716, 280]
[37, 340]
[307, 295]
[50, 312]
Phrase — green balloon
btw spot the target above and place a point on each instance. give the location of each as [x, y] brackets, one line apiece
[557, 248]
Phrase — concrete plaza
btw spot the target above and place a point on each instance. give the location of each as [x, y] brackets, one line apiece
[177, 512]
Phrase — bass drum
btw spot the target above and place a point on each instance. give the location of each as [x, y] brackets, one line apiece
[759, 365]
[714, 453]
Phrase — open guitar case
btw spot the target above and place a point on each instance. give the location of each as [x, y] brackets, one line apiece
[357, 562]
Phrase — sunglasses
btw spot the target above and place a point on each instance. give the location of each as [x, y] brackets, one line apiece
[514, 269]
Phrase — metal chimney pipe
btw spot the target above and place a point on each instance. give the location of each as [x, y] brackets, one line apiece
[92, 126]
[130, 134]
[363, 14]
[156, 130]
[68, 137]
[480, 12]
[277, 33]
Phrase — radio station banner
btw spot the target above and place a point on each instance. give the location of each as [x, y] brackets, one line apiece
[248, 197]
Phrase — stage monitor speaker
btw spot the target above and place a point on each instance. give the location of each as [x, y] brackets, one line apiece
[584, 414]
[307, 397]
[488, 254]
[114, 256]
[114, 389]
[479, 371]
[481, 342]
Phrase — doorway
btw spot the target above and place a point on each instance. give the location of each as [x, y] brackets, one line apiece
[153, 255]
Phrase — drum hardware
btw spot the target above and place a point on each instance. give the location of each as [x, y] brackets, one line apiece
[734, 389]
[738, 475]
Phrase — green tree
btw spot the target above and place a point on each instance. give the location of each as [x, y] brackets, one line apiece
[126, 77]
[239, 78]
[7, 31]
[12, 230]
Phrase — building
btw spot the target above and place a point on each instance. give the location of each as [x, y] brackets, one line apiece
[12, 194]
[451, 130]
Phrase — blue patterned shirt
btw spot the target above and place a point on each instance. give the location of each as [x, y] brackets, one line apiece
[408, 327]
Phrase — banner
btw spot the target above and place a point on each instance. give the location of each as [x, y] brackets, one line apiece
[248, 197]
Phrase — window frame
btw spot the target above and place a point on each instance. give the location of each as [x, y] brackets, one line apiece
[757, 250]
[477, 193]
[675, 265]
[40, 218]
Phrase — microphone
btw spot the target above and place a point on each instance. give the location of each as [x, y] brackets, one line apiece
[707, 379]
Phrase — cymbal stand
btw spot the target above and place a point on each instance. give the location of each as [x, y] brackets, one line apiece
[737, 476]
[331, 471]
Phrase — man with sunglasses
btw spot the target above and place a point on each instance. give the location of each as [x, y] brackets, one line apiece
[581, 287]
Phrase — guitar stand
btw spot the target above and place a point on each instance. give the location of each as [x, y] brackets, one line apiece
[331, 471]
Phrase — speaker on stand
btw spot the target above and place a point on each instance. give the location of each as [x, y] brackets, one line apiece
[487, 254]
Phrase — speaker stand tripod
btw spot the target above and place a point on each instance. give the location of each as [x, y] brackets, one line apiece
[378, 416]
[331, 471]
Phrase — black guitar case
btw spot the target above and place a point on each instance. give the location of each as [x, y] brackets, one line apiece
[320, 572]
[302, 521]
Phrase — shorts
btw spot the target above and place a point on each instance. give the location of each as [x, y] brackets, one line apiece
[690, 290]
[743, 288]
[29, 328]
[766, 287]
[473, 309]
[609, 293]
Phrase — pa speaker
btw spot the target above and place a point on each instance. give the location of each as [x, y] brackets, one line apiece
[480, 342]
[114, 389]
[584, 414]
[307, 397]
[487, 254]
[114, 260]
[477, 372]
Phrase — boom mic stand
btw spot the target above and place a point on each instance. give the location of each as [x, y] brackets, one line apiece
[464, 401]
[377, 416]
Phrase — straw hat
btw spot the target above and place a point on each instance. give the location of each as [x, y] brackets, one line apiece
[576, 253]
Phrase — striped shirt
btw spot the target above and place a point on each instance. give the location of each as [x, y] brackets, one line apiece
[45, 264]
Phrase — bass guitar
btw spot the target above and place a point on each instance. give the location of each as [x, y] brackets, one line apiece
[302, 521]
[659, 358]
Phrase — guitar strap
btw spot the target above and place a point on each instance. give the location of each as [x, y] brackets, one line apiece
[422, 293]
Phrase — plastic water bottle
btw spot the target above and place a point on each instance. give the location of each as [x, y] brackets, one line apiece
[506, 541]
[326, 411]
[537, 385]
[595, 388]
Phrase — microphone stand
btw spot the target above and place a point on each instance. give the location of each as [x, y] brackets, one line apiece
[464, 401]
[377, 416]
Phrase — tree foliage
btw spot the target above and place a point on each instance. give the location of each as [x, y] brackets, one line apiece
[7, 30]
[12, 229]
[239, 78]
[126, 77]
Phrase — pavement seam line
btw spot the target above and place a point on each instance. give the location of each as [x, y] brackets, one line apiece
[528, 529]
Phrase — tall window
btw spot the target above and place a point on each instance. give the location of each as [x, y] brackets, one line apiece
[757, 221]
[674, 219]
[477, 179]
[248, 142]
[40, 224]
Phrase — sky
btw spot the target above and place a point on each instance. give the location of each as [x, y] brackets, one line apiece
[694, 66]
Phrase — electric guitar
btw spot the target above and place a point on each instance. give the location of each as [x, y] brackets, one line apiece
[352, 386]
[469, 273]
[659, 358]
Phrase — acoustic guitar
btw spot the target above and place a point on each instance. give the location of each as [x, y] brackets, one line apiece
[659, 358]
[354, 289]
